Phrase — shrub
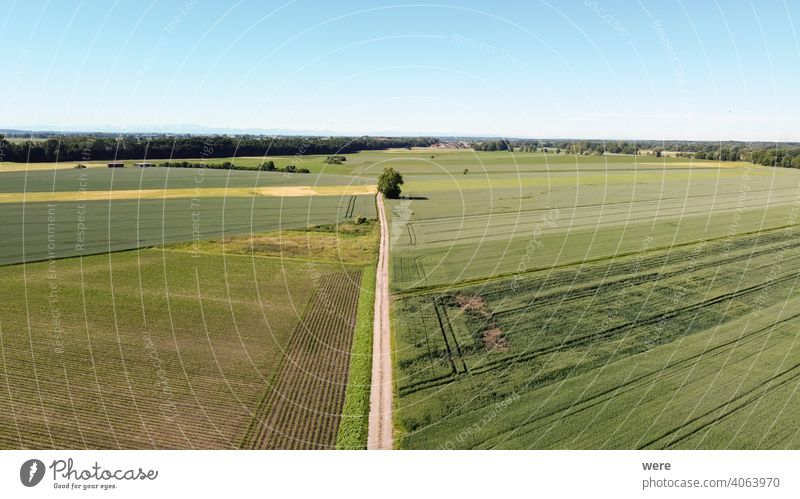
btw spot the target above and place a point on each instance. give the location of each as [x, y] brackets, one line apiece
[335, 160]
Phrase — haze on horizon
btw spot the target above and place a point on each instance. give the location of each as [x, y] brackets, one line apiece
[590, 69]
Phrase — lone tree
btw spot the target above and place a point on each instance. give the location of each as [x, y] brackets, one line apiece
[389, 183]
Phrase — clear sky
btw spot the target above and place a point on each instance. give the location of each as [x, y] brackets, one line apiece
[583, 69]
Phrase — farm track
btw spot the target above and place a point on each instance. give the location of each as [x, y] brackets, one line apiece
[412, 235]
[443, 331]
[448, 326]
[303, 408]
[351, 205]
[381, 428]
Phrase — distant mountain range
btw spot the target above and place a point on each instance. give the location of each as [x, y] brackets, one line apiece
[208, 130]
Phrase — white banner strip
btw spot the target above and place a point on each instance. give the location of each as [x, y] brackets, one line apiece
[121, 474]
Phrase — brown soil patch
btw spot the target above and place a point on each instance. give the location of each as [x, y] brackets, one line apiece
[495, 339]
[470, 302]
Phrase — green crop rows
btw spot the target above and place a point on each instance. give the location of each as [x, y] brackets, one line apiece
[228, 325]
[596, 302]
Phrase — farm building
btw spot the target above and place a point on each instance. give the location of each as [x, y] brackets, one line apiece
[116, 165]
[145, 165]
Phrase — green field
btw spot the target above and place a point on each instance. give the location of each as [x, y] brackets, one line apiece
[235, 346]
[462, 227]
[229, 323]
[40, 230]
[146, 349]
[540, 301]
[595, 302]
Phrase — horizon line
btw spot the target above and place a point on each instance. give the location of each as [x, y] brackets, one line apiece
[232, 132]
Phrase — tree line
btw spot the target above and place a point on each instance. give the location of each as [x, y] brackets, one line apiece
[102, 146]
[84, 148]
[266, 166]
[565, 146]
[785, 155]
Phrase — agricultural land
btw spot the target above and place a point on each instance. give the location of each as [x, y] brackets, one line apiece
[588, 302]
[184, 308]
[538, 300]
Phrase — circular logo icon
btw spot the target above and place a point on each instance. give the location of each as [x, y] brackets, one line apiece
[31, 472]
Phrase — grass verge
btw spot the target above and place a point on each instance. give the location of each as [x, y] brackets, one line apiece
[354, 426]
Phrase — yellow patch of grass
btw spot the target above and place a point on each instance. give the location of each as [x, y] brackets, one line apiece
[698, 163]
[317, 190]
[61, 165]
[281, 191]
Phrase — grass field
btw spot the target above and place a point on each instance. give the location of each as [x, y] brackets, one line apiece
[596, 302]
[230, 325]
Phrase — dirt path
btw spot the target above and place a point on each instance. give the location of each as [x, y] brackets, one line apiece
[380, 399]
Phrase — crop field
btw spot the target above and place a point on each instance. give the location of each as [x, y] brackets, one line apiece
[602, 304]
[540, 301]
[229, 324]
[144, 349]
[368, 163]
[108, 179]
[171, 348]
[162, 206]
[482, 225]
[420, 161]
[305, 406]
[315, 162]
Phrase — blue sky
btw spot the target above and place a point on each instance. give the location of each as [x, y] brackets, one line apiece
[582, 69]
